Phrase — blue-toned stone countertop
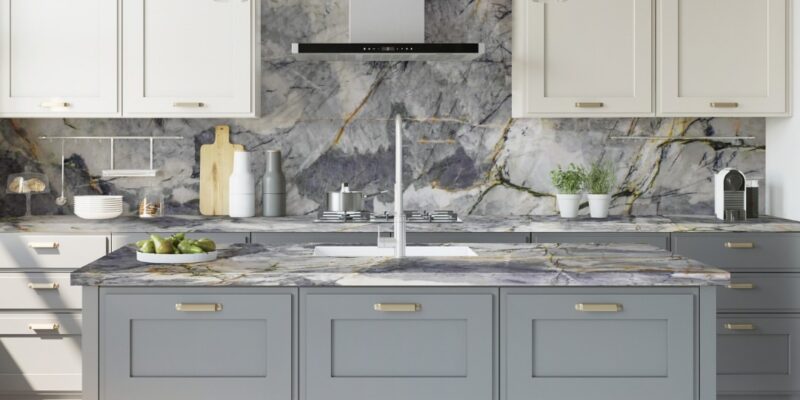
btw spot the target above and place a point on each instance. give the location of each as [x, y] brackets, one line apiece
[657, 224]
[496, 265]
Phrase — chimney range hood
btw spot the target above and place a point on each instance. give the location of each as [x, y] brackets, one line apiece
[387, 30]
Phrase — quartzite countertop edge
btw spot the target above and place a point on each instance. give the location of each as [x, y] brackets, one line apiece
[305, 224]
[501, 265]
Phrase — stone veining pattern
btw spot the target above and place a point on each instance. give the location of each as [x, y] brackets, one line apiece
[475, 224]
[332, 121]
[496, 265]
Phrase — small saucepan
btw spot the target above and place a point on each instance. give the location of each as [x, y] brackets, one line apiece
[345, 200]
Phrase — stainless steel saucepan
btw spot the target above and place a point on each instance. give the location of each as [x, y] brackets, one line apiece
[345, 200]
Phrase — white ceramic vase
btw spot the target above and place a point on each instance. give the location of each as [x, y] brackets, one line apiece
[241, 187]
[599, 204]
[568, 205]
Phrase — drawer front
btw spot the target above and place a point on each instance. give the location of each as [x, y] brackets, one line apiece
[758, 353]
[39, 359]
[741, 251]
[659, 240]
[119, 240]
[467, 237]
[560, 346]
[196, 346]
[50, 251]
[750, 292]
[405, 346]
[38, 291]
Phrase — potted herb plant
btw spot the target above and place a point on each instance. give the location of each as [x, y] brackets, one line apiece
[599, 181]
[569, 183]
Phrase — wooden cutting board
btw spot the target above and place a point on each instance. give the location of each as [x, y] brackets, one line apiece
[216, 165]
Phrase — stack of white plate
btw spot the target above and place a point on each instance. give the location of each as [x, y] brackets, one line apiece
[98, 207]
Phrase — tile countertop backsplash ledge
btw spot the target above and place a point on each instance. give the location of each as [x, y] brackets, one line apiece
[191, 223]
[496, 265]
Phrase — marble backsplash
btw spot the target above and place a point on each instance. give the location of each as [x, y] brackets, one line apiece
[333, 123]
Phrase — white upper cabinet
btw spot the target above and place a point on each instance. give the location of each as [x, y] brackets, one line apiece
[582, 58]
[190, 58]
[58, 58]
[722, 57]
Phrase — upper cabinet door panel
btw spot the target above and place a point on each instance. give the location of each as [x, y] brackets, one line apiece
[723, 57]
[58, 58]
[189, 57]
[583, 58]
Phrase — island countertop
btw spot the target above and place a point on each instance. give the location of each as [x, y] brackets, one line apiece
[306, 224]
[501, 265]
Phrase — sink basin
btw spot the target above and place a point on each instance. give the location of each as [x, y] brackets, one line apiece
[411, 251]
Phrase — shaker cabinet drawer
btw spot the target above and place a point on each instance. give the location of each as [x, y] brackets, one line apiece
[741, 251]
[50, 251]
[754, 292]
[39, 352]
[35, 290]
[562, 345]
[196, 345]
[403, 344]
[756, 354]
[659, 240]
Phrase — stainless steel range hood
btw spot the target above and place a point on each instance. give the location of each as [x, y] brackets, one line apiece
[387, 30]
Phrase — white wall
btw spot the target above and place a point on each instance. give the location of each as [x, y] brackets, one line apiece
[783, 146]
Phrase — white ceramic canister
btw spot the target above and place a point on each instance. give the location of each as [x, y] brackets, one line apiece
[242, 187]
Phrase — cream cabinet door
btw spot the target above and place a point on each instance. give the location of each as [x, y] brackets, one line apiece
[190, 58]
[582, 58]
[58, 58]
[722, 57]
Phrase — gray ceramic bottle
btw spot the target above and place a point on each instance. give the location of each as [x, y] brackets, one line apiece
[274, 184]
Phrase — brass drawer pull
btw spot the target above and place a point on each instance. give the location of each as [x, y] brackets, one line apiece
[54, 104]
[44, 327]
[739, 245]
[589, 104]
[211, 307]
[740, 327]
[741, 286]
[43, 245]
[723, 104]
[43, 286]
[382, 307]
[189, 104]
[585, 307]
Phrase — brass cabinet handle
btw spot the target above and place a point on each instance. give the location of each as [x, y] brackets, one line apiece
[723, 104]
[741, 286]
[211, 307]
[739, 245]
[739, 327]
[383, 307]
[54, 104]
[189, 104]
[589, 104]
[586, 307]
[44, 327]
[43, 286]
[43, 245]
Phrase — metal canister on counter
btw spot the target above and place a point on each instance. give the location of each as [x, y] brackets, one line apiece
[752, 198]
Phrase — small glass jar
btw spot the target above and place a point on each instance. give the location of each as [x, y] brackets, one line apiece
[151, 204]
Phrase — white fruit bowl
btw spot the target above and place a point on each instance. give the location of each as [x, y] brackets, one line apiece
[176, 258]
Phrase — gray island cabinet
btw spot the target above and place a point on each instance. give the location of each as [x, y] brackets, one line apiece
[518, 322]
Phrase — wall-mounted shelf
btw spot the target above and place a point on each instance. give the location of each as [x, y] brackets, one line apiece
[121, 173]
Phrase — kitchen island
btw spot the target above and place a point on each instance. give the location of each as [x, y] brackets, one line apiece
[276, 322]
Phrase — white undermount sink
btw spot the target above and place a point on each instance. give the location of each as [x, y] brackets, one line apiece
[411, 251]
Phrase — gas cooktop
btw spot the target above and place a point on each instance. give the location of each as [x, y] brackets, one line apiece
[412, 216]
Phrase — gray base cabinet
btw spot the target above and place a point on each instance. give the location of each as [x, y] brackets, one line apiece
[196, 344]
[601, 344]
[397, 344]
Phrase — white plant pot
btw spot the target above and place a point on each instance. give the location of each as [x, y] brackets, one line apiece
[598, 205]
[568, 205]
